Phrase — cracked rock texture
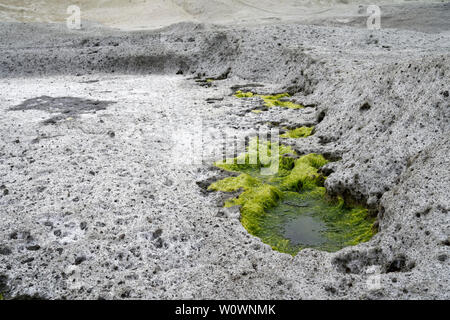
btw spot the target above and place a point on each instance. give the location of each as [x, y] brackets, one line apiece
[99, 202]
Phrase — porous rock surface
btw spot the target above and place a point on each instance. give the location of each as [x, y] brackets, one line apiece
[98, 203]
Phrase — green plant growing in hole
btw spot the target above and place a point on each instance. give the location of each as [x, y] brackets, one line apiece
[241, 94]
[302, 132]
[271, 100]
[271, 205]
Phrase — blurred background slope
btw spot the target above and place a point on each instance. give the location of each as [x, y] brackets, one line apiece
[148, 14]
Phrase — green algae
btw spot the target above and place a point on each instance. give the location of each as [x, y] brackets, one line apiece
[289, 210]
[240, 94]
[260, 157]
[271, 100]
[301, 132]
[339, 225]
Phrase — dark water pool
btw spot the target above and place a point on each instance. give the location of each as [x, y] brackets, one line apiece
[304, 230]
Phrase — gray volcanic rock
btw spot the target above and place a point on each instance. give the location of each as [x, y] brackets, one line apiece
[102, 203]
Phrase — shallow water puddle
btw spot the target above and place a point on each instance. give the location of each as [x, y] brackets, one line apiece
[289, 210]
[298, 223]
[309, 220]
[304, 230]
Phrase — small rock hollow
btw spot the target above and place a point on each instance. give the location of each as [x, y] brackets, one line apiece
[289, 209]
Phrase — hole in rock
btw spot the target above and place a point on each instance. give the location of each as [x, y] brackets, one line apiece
[366, 106]
[288, 208]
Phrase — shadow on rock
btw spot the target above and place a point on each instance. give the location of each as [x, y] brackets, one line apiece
[64, 107]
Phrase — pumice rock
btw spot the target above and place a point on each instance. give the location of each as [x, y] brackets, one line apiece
[108, 140]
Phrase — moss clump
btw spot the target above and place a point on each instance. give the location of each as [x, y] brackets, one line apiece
[274, 101]
[301, 132]
[354, 223]
[261, 155]
[295, 191]
[240, 94]
[271, 100]
[254, 200]
[304, 175]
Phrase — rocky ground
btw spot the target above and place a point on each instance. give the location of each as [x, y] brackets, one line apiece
[98, 201]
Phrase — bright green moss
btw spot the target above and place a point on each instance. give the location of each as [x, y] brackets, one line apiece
[231, 184]
[271, 205]
[254, 159]
[274, 101]
[253, 204]
[304, 175]
[240, 94]
[271, 100]
[301, 132]
[353, 222]
[255, 198]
